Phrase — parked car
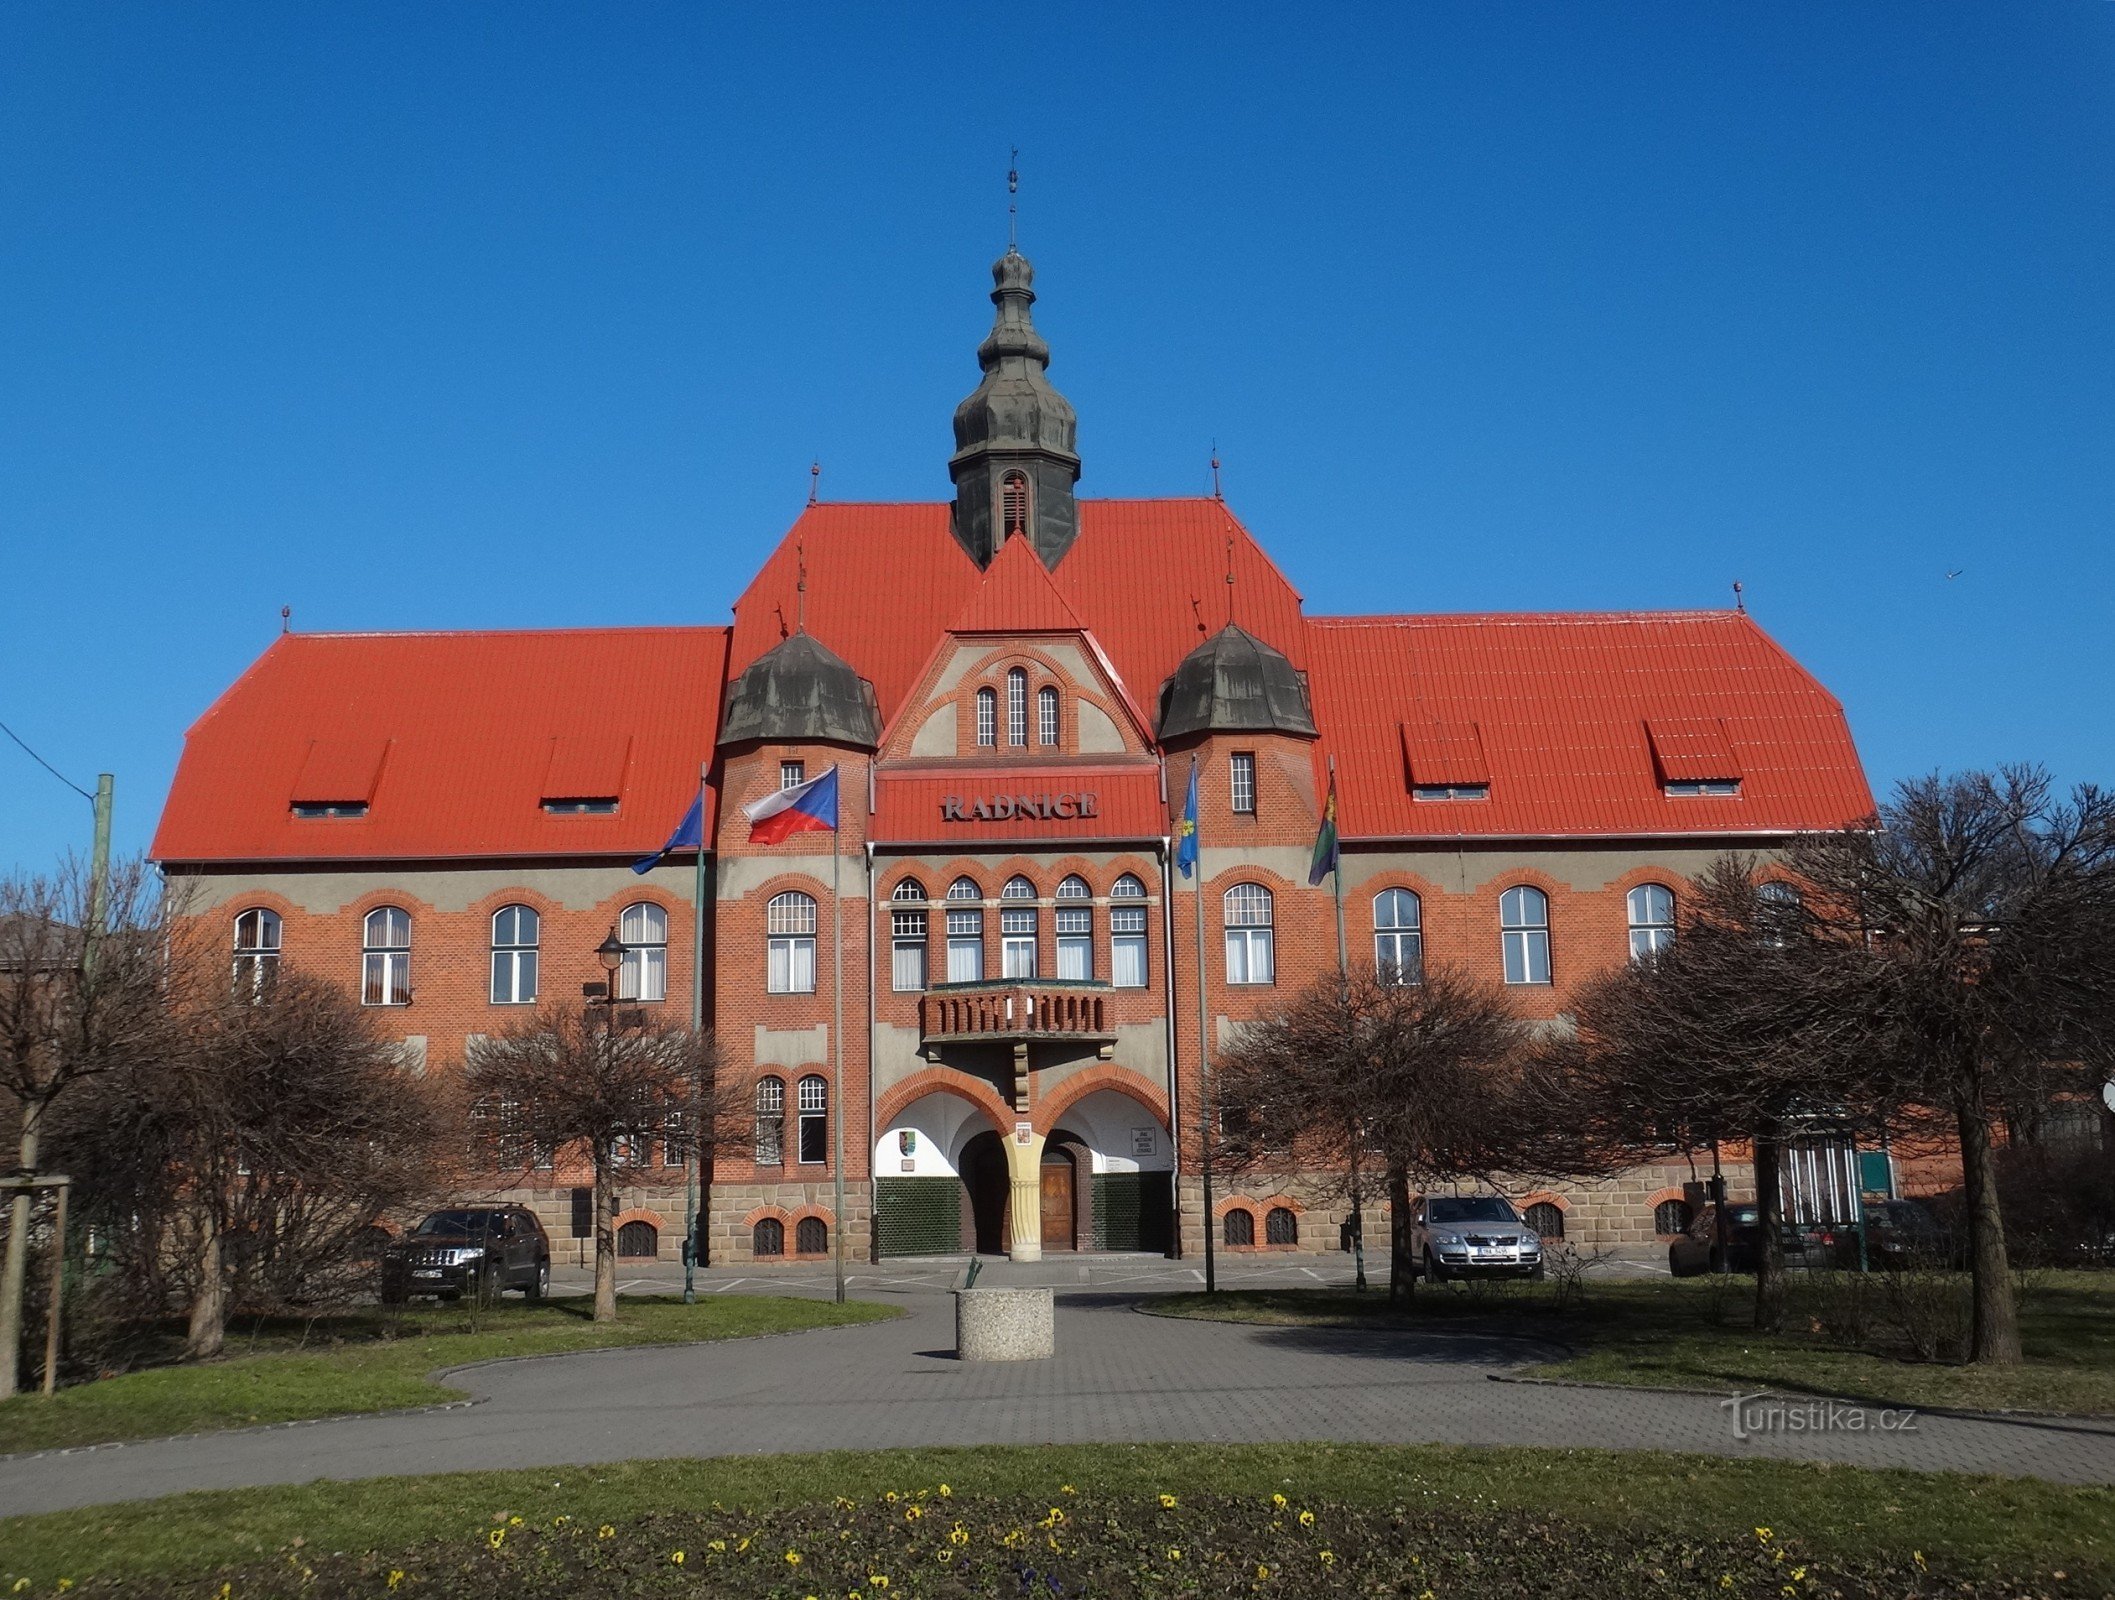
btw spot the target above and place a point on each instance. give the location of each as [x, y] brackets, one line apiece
[481, 1250]
[1697, 1250]
[1898, 1234]
[1472, 1236]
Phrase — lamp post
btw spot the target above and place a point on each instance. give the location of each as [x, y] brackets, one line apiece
[610, 955]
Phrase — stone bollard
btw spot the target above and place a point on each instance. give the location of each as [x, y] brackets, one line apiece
[1004, 1325]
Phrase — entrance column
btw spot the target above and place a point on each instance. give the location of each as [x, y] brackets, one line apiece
[1024, 1169]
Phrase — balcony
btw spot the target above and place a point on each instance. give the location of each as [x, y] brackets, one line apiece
[1017, 1012]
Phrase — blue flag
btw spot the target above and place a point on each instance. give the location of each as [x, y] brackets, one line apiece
[1186, 845]
[689, 835]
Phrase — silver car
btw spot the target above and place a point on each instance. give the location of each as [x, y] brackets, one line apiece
[1472, 1236]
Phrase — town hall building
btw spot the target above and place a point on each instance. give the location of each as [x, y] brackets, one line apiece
[1012, 686]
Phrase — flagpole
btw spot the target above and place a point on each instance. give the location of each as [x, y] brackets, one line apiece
[837, 1038]
[1336, 880]
[693, 1161]
[1204, 1053]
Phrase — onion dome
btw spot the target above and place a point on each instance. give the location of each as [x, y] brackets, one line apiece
[1234, 683]
[800, 689]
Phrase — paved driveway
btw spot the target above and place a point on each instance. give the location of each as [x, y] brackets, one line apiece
[1118, 1376]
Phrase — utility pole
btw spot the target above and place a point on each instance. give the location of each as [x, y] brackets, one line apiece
[837, 1045]
[1358, 1129]
[98, 874]
[693, 1160]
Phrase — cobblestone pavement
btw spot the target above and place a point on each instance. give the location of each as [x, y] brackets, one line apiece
[1117, 1376]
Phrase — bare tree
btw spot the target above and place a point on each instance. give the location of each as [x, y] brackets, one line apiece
[1988, 903]
[82, 994]
[1755, 1018]
[594, 1078]
[1425, 1082]
[247, 1167]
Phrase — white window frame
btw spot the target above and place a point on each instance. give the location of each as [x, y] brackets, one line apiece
[987, 719]
[1075, 943]
[642, 977]
[515, 955]
[1241, 783]
[1017, 708]
[812, 1107]
[1650, 907]
[259, 937]
[1130, 962]
[385, 957]
[1017, 942]
[1049, 716]
[1398, 945]
[792, 774]
[789, 943]
[908, 929]
[770, 1144]
[1248, 910]
[965, 945]
[1524, 935]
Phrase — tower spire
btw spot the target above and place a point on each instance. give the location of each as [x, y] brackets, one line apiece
[1016, 458]
[1013, 205]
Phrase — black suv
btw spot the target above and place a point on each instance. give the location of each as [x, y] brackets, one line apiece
[479, 1250]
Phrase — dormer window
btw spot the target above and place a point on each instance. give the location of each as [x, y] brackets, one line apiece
[593, 806]
[1690, 789]
[1451, 791]
[1013, 505]
[313, 810]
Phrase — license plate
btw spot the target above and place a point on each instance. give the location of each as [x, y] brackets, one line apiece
[425, 1273]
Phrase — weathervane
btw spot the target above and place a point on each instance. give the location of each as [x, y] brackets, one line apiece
[1013, 207]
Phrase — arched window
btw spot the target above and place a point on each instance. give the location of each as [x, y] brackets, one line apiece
[768, 1237]
[1075, 930]
[257, 936]
[770, 1122]
[987, 717]
[516, 932]
[1777, 910]
[1651, 918]
[1127, 933]
[965, 933]
[811, 1236]
[1249, 952]
[789, 934]
[1671, 1217]
[1524, 930]
[1017, 930]
[1046, 716]
[385, 958]
[1013, 505]
[1017, 707]
[638, 1241]
[1239, 1227]
[1398, 937]
[1546, 1219]
[907, 930]
[1280, 1226]
[643, 931]
[814, 1120]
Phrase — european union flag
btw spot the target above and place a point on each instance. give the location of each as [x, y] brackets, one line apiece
[689, 835]
[1186, 847]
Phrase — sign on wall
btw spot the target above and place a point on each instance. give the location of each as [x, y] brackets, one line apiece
[1005, 807]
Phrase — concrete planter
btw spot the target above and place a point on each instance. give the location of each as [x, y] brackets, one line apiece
[1004, 1325]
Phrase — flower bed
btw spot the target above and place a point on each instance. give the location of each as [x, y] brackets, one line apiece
[935, 1542]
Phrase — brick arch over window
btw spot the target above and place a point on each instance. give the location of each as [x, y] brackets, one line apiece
[1053, 1105]
[1242, 1205]
[808, 1214]
[944, 1080]
[1660, 1197]
[775, 1213]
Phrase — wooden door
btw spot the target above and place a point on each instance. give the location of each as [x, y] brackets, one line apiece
[1057, 1202]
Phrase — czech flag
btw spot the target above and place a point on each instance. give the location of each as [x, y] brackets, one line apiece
[809, 807]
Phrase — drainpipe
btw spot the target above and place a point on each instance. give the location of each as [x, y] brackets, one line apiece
[873, 1033]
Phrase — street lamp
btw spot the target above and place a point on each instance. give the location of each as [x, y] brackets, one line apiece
[611, 954]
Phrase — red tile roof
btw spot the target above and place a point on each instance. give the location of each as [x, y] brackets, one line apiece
[1560, 705]
[1575, 721]
[474, 724]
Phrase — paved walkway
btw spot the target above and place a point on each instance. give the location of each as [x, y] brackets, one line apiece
[1118, 1376]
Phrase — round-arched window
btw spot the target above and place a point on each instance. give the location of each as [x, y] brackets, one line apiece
[909, 889]
[1398, 937]
[638, 1241]
[1671, 1217]
[1651, 908]
[1239, 1227]
[965, 889]
[768, 1237]
[811, 1236]
[1546, 1219]
[1280, 1226]
[1250, 953]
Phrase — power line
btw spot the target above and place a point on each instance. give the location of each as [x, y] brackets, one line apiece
[46, 765]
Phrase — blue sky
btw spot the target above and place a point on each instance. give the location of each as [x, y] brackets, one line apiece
[535, 314]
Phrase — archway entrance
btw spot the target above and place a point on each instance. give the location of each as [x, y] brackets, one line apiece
[986, 1191]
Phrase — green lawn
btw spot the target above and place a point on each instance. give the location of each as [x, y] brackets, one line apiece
[438, 1529]
[1694, 1333]
[380, 1361]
